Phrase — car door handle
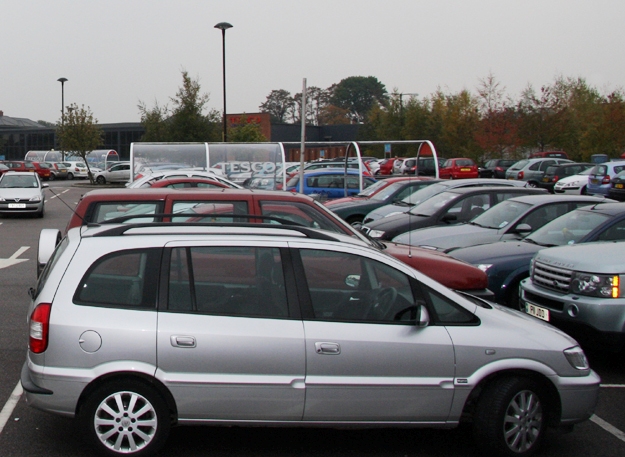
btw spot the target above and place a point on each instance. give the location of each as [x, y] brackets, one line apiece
[328, 348]
[182, 341]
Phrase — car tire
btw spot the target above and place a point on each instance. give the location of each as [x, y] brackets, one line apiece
[100, 180]
[583, 191]
[70, 175]
[52, 177]
[351, 220]
[42, 212]
[510, 417]
[532, 184]
[101, 414]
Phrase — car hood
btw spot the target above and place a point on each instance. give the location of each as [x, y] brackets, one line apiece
[450, 272]
[450, 237]
[399, 221]
[383, 211]
[496, 252]
[344, 202]
[356, 203]
[604, 257]
[21, 193]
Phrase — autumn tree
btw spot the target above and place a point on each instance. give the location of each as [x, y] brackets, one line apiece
[280, 105]
[185, 121]
[79, 132]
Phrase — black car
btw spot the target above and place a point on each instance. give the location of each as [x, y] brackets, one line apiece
[424, 166]
[617, 187]
[450, 207]
[508, 262]
[495, 168]
[559, 171]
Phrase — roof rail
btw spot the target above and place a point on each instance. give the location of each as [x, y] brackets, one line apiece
[308, 232]
[160, 217]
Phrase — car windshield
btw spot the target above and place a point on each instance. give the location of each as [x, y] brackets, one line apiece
[369, 191]
[432, 205]
[569, 228]
[425, 193]
[501, 214]
[387, 192]
[11, 181]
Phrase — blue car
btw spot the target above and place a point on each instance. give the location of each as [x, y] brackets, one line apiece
[330, 183]
[600, 178]
[508, 262]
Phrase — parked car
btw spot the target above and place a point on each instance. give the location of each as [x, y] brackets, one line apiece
[104, 205]
[508, 262]
[398, 189]
[424, 166]
[369, 192]
[322, 165]
[600, 178]
[374, 165]
[189, 183]
[556, 172]
[21, 192]
[495, 168]
[401, 206]
[532, 170]
[543, 154]
[458, 168]
[117, 172]
[294, 318]
[330, 183]
[512, 219]
[577, 288]
[27, 166]
[3, 169]
[386, 167]
[453, 206]
[57, 170]
[617, 187]
[573, 185]
[149, 179]
[397, 165]
[76, 170]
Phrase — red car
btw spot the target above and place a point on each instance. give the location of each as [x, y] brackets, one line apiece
[35, 167]
[386, 167]
[185, 183]
[143, 205]
[458, 168]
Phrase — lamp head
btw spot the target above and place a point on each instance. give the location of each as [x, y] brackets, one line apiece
[223, 26]
[62, 80]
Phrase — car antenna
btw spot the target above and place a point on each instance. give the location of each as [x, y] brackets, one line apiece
[66, 204]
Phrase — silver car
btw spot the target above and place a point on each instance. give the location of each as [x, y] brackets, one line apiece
[136, 328]
[21, 192]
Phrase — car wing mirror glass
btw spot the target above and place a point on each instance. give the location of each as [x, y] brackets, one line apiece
[352, 281]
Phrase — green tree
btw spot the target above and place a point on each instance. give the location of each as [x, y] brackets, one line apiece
[79, 133]
[185, 121]
[358, 95]
[246, 132]
[280, 105]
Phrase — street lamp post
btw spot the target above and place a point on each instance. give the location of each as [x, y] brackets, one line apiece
[62, 81]
[224, 26]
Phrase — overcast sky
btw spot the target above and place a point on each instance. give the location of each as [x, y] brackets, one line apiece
[116, 53]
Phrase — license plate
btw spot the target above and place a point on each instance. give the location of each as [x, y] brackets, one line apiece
[594, 181]
[618, 186]
[545, 179]
[17, 205]
[537, 311]
[465, 169]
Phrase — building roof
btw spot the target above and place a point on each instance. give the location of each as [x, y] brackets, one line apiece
[7, 122]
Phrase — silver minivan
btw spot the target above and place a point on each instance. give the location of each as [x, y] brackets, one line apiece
[135, 328]
[532, 170]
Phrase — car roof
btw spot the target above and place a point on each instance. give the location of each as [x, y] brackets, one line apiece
[331, 171]
[452, 183]
[537, 199]
[612, 209]
[486, 189]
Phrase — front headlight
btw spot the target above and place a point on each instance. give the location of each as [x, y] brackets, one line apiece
[605, 286]
[577, 358]
[36, 198]
[484, 266]
[376, 233]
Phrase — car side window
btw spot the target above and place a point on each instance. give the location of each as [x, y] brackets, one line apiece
[350, 288]
[300, 213]
[106, 211]
[446, 312]
[123, 279]
[615, 232]
[540, 216]
[209, 211]
[243, 281]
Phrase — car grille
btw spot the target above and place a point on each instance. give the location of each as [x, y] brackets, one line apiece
[551, 277]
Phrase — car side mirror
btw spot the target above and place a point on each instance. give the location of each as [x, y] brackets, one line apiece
[523, 228]
[43, 186]
[352, 281]
[423, 316]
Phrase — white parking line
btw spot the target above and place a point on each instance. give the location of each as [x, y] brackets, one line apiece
[607, 427]
[6, 412]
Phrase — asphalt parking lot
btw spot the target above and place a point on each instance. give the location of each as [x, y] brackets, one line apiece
[28, 432]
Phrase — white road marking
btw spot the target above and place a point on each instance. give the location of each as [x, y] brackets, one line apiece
[613, 386]
[607, 427]
[6, 412]
[13, 260]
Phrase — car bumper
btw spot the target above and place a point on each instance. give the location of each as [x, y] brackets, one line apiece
[593, 321]
[27, 209]
[616, 194]
[578, 396]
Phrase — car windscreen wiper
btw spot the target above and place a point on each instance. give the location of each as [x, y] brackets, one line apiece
[401, 203]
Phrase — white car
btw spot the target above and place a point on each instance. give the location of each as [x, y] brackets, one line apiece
[76, 170]
[118, 172]
[575, 184]
[146, 181]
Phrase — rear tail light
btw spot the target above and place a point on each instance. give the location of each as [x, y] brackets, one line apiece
[520, 175]
[555, 179]
[605, 180]
[39, 326]
[498, 169]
